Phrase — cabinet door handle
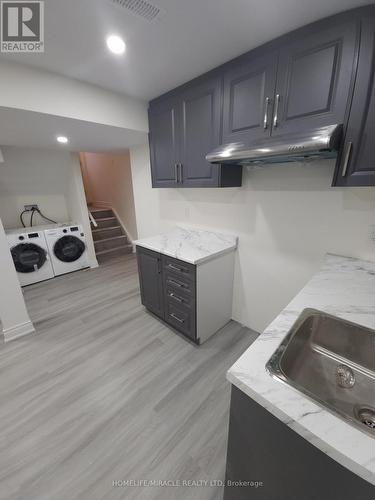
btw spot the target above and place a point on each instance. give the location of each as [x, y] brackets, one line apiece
[276, 115]
[180, 180]
[175, 268]
[176, 173]
[159, 266]
[174, 316]
[174, 296]
[348, 151]
[265, 119]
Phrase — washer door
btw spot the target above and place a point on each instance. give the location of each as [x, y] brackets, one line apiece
[69, 248]
[28, 257]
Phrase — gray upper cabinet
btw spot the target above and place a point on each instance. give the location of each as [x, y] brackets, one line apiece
[314, 79]
[164, 143]
[357, 162]
[249, 90]
[201, 115]
[319, 75]
[183, 129]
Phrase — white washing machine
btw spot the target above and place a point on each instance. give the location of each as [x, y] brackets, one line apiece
[67, 248]
[30, 255]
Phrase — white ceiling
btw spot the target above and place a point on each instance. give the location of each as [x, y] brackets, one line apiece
[187, 39]
[39, 130]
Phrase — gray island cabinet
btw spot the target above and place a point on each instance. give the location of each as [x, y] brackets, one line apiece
[262, 449]
[191, 293]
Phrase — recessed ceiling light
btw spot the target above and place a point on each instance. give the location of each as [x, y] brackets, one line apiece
[116, 44]
[62, 139]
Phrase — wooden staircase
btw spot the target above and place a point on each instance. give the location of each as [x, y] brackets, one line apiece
[109, 237]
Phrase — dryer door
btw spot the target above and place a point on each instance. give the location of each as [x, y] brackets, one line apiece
[69, 248]
[28, 257]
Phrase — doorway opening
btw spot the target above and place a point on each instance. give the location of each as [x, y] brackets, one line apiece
[109, 195]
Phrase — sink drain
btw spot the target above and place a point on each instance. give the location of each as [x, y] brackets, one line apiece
[366, 416]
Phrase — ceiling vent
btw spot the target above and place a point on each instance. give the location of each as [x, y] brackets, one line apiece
[139, 8]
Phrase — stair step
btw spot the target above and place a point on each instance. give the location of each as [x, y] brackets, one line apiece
[109, 243]
[100, 213]
[104, 255]
[107, 232]
[96, 230]
[101, 219]
[106, 222]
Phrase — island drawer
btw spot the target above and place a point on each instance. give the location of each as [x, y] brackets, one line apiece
[178, 297]
[179, 283]
[178, 267]
[182, 319]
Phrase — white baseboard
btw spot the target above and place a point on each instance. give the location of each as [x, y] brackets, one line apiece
[130, 238]
[18, 331]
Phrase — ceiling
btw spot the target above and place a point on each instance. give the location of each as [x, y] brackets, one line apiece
[186, 39]
[39, 130]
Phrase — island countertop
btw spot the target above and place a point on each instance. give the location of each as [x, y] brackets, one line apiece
[190, 245]
[344, 287]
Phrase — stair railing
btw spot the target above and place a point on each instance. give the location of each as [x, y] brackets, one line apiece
[92, 220]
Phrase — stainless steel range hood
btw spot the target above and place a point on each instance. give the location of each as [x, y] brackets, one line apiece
[322, 142]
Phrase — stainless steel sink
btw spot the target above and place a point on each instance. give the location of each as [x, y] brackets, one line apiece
[333, 362]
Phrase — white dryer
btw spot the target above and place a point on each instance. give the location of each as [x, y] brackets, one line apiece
[67, 248]
[30, 255]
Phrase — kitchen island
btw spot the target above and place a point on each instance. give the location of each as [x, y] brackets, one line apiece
[186, 279]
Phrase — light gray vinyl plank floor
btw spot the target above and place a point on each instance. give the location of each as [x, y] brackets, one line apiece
[105, 392]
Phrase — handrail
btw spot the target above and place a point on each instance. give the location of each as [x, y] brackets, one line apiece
[92, 219]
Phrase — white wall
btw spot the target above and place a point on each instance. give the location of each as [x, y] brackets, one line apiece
[33, 176]
[76, 201]
[287, 217]
[14, 319]
[108, 182]
[50, 93]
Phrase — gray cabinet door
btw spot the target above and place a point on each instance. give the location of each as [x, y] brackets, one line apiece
[314, 79]
[356, 166]
[150, 280]
[200, 133]
[164, 143]
[248, 99]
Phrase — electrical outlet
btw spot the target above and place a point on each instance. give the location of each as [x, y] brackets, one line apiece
[31, 207]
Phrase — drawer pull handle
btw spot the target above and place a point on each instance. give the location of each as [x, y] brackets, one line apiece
[177, 318]
[176, 297]
[175, 268]
[176, 283]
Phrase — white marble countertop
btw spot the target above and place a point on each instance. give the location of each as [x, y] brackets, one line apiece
[344, 287]
[190, 245]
